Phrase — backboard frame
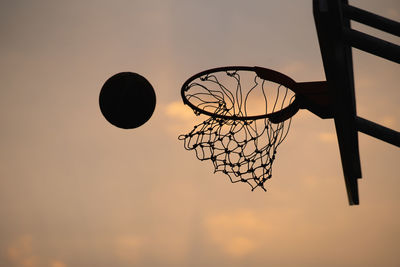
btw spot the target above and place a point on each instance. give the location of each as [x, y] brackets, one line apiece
[336, 39]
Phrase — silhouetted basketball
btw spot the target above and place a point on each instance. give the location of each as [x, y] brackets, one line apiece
[127, 100]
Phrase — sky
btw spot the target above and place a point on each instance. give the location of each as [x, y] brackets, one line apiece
[76, 191]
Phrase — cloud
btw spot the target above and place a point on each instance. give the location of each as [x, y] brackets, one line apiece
[129, 248]
[235, 233]
[177, 110]
[392, 13]
[240, 246]
[327, 137]
[388, 121]
[21, 253]
[56, 263]
[301, 71]
[293, 68]
[180, 118]
[164, 245]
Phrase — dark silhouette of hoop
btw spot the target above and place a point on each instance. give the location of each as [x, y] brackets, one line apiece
[263, 73]
[240, 144]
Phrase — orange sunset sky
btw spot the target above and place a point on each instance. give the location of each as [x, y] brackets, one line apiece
[76, 191]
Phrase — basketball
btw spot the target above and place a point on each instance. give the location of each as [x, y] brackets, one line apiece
[127, 100]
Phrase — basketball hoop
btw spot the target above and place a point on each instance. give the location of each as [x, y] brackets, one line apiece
[249, 113]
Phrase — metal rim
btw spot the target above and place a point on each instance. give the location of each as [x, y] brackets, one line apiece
[263, 73]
